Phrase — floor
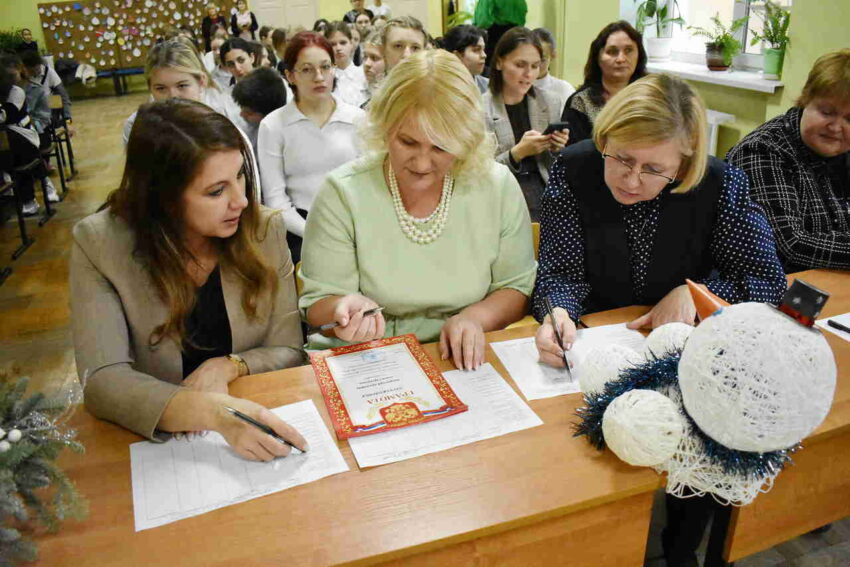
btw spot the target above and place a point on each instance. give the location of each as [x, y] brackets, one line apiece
[35, 335]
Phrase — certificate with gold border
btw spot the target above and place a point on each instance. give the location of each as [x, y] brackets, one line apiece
[382, 385]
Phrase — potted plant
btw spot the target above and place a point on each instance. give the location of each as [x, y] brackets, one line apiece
[722, 45]
[775, 34]
[657, 13]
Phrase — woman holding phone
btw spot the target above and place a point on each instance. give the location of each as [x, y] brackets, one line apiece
[520, 115]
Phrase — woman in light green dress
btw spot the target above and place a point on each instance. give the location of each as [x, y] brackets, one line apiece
[427, 225]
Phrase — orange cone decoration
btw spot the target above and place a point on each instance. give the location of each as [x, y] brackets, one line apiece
[706, 302]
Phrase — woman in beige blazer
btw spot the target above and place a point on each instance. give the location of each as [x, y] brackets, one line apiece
[518, 114]
[183, 283]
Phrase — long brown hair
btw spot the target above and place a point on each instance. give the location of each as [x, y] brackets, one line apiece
[168, 145]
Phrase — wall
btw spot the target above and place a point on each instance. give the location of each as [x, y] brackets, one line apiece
[17, 14]
[817, 27]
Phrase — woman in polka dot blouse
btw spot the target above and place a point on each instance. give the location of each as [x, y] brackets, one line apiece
[628, 215]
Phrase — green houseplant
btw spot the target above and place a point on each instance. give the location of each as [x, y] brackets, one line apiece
[661, 14]
[9, 40]
[775, 34]
[722, 45]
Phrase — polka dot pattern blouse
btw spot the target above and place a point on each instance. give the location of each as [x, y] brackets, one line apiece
[742, 247]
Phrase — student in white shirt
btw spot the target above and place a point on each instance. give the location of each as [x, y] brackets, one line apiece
[351, 80]
[378, 8]
[559, 87]
[259, 94]
[215, 65]
[301, 142]
[174, 69]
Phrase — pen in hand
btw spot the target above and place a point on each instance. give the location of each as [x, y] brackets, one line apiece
[548, 303]
[328, 326]
[261, 426]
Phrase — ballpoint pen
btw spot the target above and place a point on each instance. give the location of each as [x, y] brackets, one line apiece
[329, 326]
[837, 325]
[548, 303]
[261, 426]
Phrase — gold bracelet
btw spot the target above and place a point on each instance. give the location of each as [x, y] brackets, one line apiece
[241, 365]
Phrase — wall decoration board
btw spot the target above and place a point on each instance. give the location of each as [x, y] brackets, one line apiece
[116, 34]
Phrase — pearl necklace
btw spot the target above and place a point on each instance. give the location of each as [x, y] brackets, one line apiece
[409, 223]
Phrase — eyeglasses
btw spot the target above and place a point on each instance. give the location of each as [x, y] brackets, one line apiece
[625, 169]
[310, 71]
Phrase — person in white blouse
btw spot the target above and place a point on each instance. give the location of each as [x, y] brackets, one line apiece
[378, 8]
[350, 78]
[310, 136]
[558, 87]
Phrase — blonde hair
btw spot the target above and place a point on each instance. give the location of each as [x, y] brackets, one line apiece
[374, 38]
[437, 90]
[656, 109]
[403, 22]
[829, 78]
[179, 54]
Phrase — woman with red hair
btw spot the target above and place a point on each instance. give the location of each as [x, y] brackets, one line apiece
[301, 142]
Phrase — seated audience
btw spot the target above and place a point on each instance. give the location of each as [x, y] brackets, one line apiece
[350, 79]
[518, 113]
[212, 20]
[301, 142]
[182, 284]
[380, 10]
[402, 37]
[428, 226]
[239, 57]
[378, 22]
[467, 42]
[356, 52]
[263, 54]
[243, 23]
[259, 94]
[628, 215]
[357, 8]
[42, 119]
[363, 23]
[799, 169]
[616, 59]
[266, 39]
[320, 25]
[373, 63]
[39, 72]
[215, 66]
[23, 138]
[546, 80]
[278, 36]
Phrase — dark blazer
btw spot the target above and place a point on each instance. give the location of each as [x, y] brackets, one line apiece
[207, 26]
[234, 29]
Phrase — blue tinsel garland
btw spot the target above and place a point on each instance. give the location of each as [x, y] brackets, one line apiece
[658, 374]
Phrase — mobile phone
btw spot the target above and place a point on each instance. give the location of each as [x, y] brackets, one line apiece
[556, 127]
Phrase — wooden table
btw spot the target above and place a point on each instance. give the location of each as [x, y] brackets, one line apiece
[816, 489]
[535, 497]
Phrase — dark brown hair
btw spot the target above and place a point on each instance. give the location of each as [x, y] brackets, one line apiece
[592, 70]
[512, 39]
[169, 143]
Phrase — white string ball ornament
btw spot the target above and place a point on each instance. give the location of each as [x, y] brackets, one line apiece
[753, 379]
[643, 427]
[603, 364]
[666, 339]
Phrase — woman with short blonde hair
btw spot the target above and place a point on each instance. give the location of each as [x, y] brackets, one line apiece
[426, 226]
[628, 215]
[797, 165]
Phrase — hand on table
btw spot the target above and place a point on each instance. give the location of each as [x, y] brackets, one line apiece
[213, 375]
[676, 306]
[248, 441]
[547, 344]
[462, 339]
[353, 326]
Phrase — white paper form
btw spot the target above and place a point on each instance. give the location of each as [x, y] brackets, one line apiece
[537, 380]
[494, 410]
[840, 319]
[180, 479]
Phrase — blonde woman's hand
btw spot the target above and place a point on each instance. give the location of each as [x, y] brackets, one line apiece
[675, 307]
[547, 345]
[462, 338]
[248, 441]
[353, 325]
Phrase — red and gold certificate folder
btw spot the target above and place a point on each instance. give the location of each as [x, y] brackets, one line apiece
[381, 385]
